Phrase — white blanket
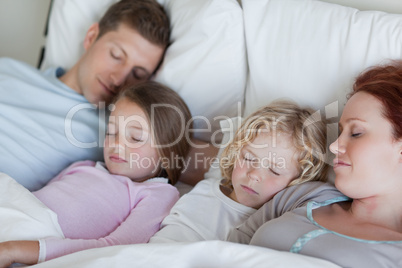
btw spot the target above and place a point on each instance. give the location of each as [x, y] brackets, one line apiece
[198, 254]
[22, 215]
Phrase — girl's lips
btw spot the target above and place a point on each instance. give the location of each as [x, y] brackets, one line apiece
[248, 189]
[117, 159]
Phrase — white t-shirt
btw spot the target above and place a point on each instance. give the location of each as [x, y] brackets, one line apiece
[205, 213]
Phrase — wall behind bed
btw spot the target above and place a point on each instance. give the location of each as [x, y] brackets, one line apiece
[23, 38]
[22, 26]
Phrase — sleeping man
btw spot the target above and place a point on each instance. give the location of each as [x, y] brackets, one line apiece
[53, 118]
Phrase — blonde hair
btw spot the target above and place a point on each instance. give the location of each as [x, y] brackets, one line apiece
[167, 124]
[307, 134]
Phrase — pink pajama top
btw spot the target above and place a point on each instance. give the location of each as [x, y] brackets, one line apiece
[98, 209]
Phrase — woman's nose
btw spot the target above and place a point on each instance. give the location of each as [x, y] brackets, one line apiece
[336, 147]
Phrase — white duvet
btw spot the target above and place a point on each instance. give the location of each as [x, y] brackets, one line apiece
[198, 254]
[23, 216]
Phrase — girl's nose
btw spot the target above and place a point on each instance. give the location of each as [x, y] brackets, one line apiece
[117, 143]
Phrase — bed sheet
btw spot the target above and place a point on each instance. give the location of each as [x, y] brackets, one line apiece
[198, 254]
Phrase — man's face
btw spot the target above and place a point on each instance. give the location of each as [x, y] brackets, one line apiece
[115, 59]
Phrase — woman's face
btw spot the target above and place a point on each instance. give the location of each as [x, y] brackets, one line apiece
[367, 162]
[129, 149]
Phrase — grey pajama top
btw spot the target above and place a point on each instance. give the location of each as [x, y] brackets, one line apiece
[297, 231]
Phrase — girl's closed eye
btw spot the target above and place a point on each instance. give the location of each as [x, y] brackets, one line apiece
[111, 130]
[136, 139]
[134, 134]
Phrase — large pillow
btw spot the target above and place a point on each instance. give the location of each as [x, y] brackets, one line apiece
[311, 51]
[228, 129]
[206, 63]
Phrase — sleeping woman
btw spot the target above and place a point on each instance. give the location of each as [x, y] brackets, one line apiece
[124, 200]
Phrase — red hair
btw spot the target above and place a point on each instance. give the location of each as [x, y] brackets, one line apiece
[385, 83]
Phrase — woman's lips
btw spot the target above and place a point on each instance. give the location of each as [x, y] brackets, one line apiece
[339, 163]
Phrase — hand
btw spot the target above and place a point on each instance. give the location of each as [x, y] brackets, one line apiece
[5, 255]
[26, 252]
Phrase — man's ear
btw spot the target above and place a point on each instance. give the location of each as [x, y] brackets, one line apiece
[91, 35]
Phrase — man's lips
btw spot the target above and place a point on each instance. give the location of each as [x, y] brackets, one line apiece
[117, 159]
[248, 189]
[106, 88]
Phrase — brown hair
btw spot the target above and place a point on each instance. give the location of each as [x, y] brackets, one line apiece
[146, 16]
[384, 82]
[308, 134]
[169, 118]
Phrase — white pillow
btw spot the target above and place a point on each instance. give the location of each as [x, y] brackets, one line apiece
[68, 23]
[229, 127]
[311, 51]
[22, 215]
[206, 63]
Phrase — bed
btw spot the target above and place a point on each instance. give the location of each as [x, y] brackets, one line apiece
[227, 58]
